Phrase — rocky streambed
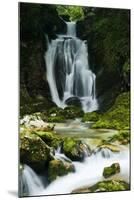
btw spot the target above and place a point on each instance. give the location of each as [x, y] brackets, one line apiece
[70, 157]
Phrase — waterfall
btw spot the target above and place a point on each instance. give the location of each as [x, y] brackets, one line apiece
[68, 71]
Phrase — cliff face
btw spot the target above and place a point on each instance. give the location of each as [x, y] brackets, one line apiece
[107, 32]
[36, 20]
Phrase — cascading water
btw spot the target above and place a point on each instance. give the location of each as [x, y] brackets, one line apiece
[68, 71]
[86, 173]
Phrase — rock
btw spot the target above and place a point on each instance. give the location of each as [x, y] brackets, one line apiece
[50, 139]
[113, 169]
[111, 147]
[73, 101]
[105, 186]
[72, 112]
[75, 149]
[56, 119]
[33, 151]
[93, 116]
[58, 168]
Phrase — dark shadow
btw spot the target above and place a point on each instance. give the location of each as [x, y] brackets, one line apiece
[13, 193]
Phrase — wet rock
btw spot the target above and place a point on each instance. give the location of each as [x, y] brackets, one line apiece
[73, 101]
[75, 149]
[111, 147]
[59, 168]
[113, 169]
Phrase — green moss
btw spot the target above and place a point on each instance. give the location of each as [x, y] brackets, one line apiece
[105, 186]
[123, 137]
[58, 168]
[74, 149]
[49, 138]
[93, 116]
[56, 119]
[109, 186]
[59, 115]
[113, 169]
[33, 151]
[72, 112]
[118, 116]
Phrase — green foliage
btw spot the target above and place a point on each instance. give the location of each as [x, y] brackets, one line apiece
[118, 116]
[93, 116]
[74, 12]
[123, 137]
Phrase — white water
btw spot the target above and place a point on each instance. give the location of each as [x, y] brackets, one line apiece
[68, 71]
[30, 182]
[87, 173]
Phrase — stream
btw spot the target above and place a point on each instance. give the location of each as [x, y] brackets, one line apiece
[88, 172]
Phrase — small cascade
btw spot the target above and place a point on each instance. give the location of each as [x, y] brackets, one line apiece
[30, 183]
[86, 173]
[68, 71]
[60, 156]
[104, 152]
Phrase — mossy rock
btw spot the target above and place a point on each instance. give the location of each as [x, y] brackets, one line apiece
[118, 116]
[112, 170]
[57, 168]
[75, 149]
[72, 112]
[49, 138]
[109, 186]
[123, 137]
[56, 119]
[111, 147]
[55, 110]
[105, 186]
[93, 116]
[34, 151]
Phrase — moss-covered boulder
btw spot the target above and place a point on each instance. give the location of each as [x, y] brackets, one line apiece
[75, 149]
[72, 112]
[123, 137]
[118, 116]
[34, 151]
[56, 119]
[105, 186]
[59, 115]
[50, 138]
[113, 169]
[57, 168]
[93, 116]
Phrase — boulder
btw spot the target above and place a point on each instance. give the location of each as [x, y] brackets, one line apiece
[113, 169]
[57, 168]
[50, 138]
[75, 149]
[34, 151]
